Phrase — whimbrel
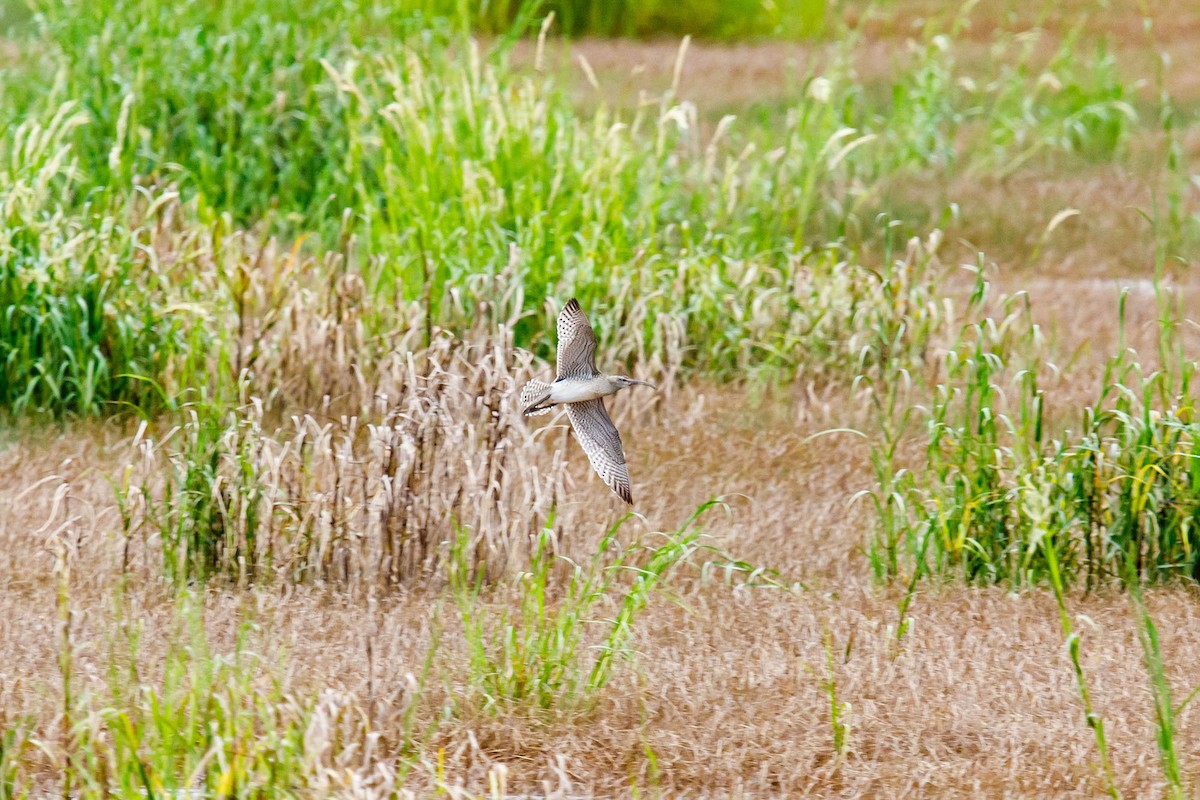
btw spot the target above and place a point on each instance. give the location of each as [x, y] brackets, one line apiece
[582, 389]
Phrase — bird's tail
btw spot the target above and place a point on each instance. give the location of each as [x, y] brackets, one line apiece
[535, 398]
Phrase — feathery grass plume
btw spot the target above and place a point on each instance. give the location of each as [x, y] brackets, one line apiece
[364, 498]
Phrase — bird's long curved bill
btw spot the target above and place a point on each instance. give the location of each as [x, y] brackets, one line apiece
[644, 383]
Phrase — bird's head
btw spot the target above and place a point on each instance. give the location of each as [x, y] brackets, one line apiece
[622, 381]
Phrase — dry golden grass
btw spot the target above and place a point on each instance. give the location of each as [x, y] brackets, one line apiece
[727, 693]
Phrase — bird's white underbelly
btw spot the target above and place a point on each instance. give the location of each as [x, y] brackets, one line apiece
[576, 391]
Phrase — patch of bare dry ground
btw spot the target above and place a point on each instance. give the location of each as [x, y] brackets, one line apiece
[738, 75]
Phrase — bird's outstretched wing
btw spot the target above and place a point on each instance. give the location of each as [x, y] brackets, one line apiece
[576, 343]
[600, 440]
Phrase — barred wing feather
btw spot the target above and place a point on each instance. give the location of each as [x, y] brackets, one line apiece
[602, 443]
[576, 343]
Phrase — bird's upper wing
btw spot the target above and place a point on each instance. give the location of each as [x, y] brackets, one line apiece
[576, 343]
[600, 440]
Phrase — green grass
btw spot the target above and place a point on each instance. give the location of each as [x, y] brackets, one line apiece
[204, 724]
[538, 651]
[317, 245]
[330, 163]
[370, 168]
[710, 19]
[221, 724]
[1165, 710]
[85, 325]
[434, 169]
[1036, 505]
[1011, 490]
[1119, 484]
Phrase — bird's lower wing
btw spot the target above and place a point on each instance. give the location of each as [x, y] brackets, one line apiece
[602, 444]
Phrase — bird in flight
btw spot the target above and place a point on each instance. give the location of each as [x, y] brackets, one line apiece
[582, 389]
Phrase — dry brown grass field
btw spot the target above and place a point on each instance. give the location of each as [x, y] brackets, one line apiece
[728, 689]
[787, 682]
